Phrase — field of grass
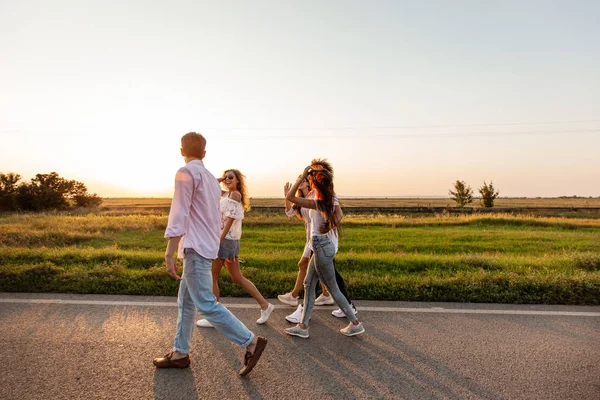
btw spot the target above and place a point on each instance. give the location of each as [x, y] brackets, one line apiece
[578, 202]
[490, 258]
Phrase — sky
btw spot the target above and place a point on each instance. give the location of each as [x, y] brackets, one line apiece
[402, 97]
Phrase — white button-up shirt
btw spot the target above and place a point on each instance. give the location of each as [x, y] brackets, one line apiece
[195, 213]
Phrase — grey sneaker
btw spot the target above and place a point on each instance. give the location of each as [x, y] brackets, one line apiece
[296, 316]
[288, 299]
[339, 313]
[324, 300]
[352, 329]
[297, 331]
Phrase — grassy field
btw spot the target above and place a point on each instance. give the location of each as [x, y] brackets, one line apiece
[380, 202]
[496, 258]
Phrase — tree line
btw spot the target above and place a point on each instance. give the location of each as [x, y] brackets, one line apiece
[43, 192]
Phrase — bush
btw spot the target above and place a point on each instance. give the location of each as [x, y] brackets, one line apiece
[44, 192]
[8, 191]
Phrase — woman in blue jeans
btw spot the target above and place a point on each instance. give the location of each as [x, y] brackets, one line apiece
[323, 218]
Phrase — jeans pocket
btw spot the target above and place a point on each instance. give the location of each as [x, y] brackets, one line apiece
[328, 249]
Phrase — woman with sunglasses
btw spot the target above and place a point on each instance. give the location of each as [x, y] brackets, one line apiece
[234, 201]
[324, 216]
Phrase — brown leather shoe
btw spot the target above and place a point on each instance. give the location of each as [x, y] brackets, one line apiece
[166, 362]
[250, 359]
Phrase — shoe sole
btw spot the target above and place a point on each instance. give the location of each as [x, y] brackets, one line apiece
[297, 334]
[292, 321]
[171, 364]
[353, 333]
[342, 316]
[204, 326]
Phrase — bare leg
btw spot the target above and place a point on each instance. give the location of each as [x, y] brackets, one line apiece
[233, 266]
[302, 268]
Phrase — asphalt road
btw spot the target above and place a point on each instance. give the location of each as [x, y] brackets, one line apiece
[101, 347]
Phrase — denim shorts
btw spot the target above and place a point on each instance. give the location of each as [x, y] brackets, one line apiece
[229, 249]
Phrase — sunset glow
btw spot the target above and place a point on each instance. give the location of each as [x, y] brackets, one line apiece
[402, 97]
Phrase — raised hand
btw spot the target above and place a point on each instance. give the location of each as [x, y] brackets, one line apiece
[286, 188]
[306, 172]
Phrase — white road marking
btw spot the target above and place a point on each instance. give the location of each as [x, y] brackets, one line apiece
[434, 310]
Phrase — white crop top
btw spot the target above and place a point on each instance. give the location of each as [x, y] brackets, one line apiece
[232, 209]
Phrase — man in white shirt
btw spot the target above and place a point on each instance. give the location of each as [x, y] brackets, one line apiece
[193, 229]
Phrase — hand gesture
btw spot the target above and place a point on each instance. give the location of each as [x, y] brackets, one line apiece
[306, 172]
[286, 188]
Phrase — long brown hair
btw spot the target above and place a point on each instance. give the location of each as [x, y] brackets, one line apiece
[241, 187]
[322, 183]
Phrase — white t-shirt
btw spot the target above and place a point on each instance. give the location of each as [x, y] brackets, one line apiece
[316, 220]
[232, 209]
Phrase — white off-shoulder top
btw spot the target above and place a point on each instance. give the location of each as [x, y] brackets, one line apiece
[232, 209]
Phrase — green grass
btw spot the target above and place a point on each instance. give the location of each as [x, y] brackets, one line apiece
[491, 258]
[381, 202]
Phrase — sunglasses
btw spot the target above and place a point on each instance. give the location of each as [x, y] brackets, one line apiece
[229, 177]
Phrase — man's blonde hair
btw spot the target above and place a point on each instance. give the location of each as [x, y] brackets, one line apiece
[193, 144]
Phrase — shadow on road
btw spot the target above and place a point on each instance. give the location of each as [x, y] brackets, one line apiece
[174, 384]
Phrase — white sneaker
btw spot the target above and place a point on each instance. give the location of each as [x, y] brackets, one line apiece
[296, 316]
[288, 299]
[324, 300]
[265, 314]
[203, 323]
[352, 329]
[297, 331]
[339, 313]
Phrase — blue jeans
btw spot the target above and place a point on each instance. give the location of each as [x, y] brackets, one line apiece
[195, 290]
[321, 266]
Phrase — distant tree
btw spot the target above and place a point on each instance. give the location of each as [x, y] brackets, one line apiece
[51, 192]
[488, 194]
[462, 194]
[8, 191]
[80, 197]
